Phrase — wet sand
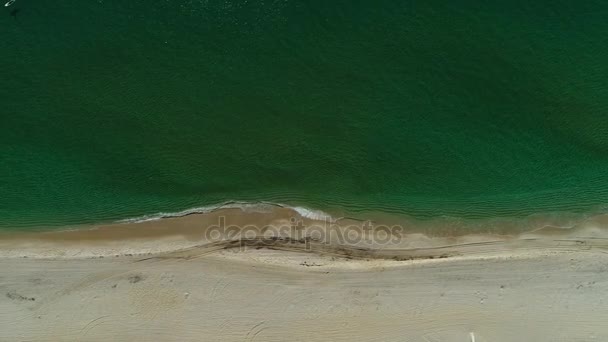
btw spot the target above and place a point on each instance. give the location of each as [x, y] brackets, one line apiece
[173, 280]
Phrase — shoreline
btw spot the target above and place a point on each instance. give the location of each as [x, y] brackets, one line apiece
[503, 223]
[289, 229]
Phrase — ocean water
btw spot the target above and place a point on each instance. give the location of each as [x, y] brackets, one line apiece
[469, 109]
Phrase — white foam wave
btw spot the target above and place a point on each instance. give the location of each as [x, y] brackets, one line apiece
[312, 214]
[259, 207]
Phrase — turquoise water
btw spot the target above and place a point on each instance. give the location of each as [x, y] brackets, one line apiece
[115, 109]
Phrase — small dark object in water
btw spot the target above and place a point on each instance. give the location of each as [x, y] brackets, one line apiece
[14, 13]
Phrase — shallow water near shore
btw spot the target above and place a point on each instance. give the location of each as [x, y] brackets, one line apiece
[417, 111]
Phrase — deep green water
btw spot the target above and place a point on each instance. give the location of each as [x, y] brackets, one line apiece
[112, 109]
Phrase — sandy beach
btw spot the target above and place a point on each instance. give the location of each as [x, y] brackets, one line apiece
[178, 280]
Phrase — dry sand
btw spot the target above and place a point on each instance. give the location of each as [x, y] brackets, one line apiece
[168, 281]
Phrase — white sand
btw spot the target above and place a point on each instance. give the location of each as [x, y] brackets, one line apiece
[550, 290]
